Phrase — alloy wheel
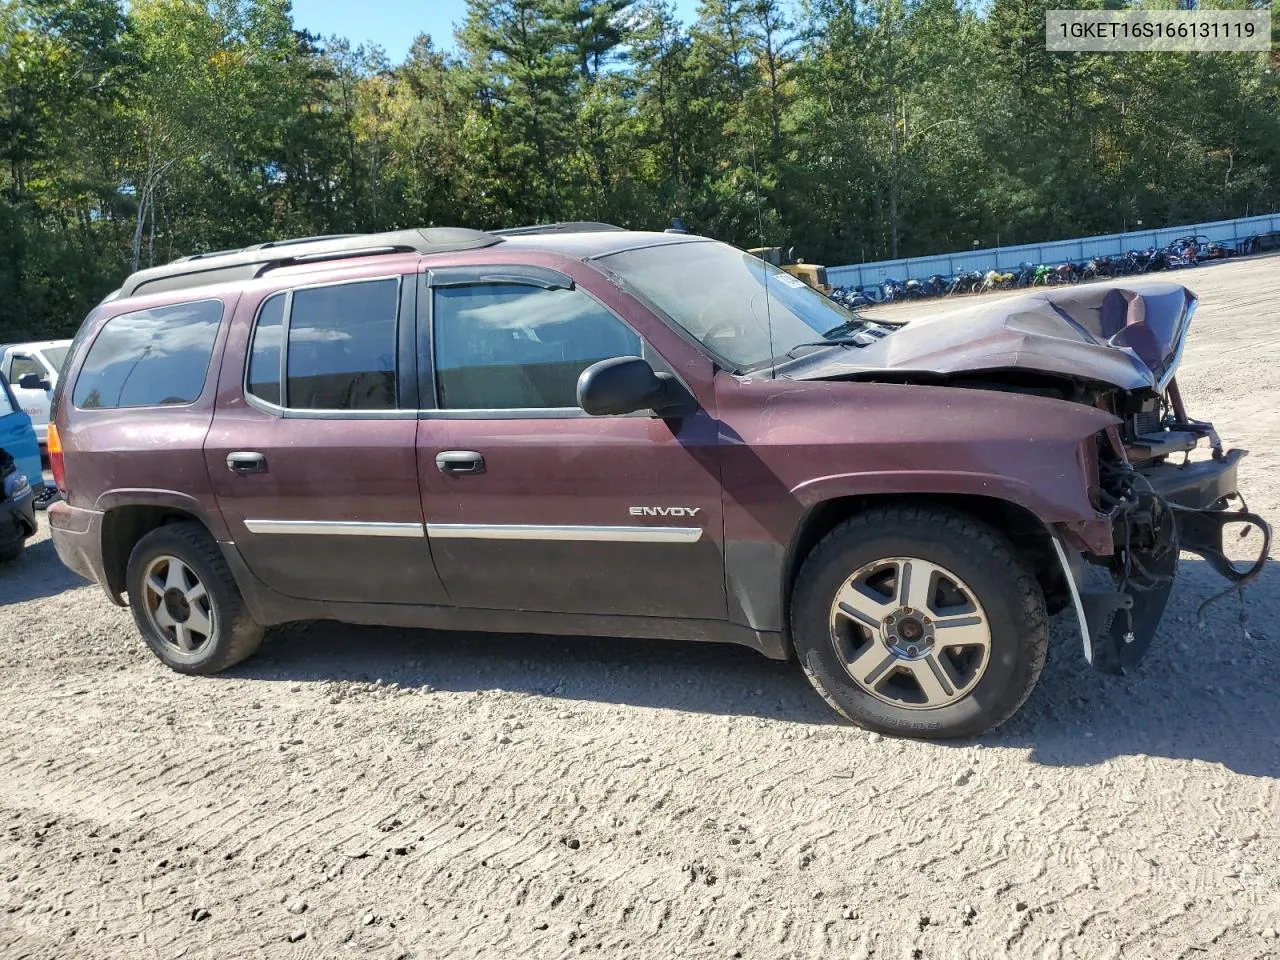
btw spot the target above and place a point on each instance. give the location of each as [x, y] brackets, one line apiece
[910, 633]
[177, 605]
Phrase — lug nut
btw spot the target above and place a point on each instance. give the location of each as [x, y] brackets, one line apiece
[912, 651]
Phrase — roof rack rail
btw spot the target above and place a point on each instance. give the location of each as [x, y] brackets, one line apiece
[571, 226]
[272, 244]
[203, 269]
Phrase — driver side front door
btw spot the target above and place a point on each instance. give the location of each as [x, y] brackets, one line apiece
[530, 503]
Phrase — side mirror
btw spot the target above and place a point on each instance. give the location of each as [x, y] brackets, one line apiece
[33, 381]
[627, 384]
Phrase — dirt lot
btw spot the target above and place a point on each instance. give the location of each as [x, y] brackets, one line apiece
[383, 793]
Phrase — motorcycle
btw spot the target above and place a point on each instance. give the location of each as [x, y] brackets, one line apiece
[969, 281]
[1063, 273]
[995, 280]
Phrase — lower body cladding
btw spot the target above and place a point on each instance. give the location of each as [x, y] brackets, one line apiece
[1157, 511]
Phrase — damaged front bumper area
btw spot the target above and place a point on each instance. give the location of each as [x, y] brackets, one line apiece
[1158, 509]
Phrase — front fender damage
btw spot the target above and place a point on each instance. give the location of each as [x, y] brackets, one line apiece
[1156, 513]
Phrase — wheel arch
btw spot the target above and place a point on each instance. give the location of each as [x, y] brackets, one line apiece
[1026, 531]
[123, 526]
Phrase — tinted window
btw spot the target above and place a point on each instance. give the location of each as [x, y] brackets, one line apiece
[342, 347]
[150, 358]
[6, 407]
[264, 358]
[508, 346]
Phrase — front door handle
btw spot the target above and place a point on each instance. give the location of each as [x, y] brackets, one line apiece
[459, 462]
[246, 461]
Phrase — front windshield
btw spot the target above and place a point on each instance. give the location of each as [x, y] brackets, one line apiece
[745, 311]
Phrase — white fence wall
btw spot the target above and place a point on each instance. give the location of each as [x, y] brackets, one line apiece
[1056, 251]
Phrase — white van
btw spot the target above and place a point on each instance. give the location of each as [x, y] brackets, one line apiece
[32, 372]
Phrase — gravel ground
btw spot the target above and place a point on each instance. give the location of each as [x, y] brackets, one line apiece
[387, 793]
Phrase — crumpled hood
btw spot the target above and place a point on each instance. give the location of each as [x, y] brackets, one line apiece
[1129, 335]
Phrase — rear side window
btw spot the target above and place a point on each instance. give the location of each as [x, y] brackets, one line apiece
[504, 346]
[150, 358]
[340, 352]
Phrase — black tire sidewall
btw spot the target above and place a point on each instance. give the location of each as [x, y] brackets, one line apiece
[996, 584]
[170, 541]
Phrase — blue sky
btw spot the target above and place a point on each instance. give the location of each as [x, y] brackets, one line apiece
[394, 23]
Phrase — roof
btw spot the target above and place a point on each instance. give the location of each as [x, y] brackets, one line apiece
[34, 344]
[579, 240]
[226, 265]
[587, 246]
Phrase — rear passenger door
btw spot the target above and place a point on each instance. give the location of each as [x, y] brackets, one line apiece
[530, 503]
[311, 452]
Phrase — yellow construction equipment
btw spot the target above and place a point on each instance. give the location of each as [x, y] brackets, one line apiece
[812, 274]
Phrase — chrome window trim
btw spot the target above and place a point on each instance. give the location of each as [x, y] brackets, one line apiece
[335, 528]
[510, 413]
[530, 531]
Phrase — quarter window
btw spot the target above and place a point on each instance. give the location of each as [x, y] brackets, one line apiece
[264, 358]
[156, 357]
[505, 346]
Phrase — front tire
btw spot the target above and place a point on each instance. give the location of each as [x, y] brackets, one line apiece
[919, 621]
[186, 603]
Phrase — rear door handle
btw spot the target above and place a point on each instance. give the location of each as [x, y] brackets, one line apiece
[457, 462]
[245, 461]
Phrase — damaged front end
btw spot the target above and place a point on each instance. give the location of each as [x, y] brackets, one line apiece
[1160, 502]
[1115, 348]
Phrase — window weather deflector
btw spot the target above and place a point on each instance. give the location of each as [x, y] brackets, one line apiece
[529, 276]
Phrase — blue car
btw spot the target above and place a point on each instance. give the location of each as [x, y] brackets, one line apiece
[19, 461]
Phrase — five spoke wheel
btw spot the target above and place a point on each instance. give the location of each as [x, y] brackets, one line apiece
[177, 604]
[911, 633]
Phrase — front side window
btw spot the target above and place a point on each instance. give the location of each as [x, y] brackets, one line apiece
[6, 407]
[341, 350]
[157, 357]
[508, 346]
[22, 366]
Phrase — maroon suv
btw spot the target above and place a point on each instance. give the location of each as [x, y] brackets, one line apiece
[582, 429]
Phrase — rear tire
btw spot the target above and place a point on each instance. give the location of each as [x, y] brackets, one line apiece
[186, 603]
[919, 621]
